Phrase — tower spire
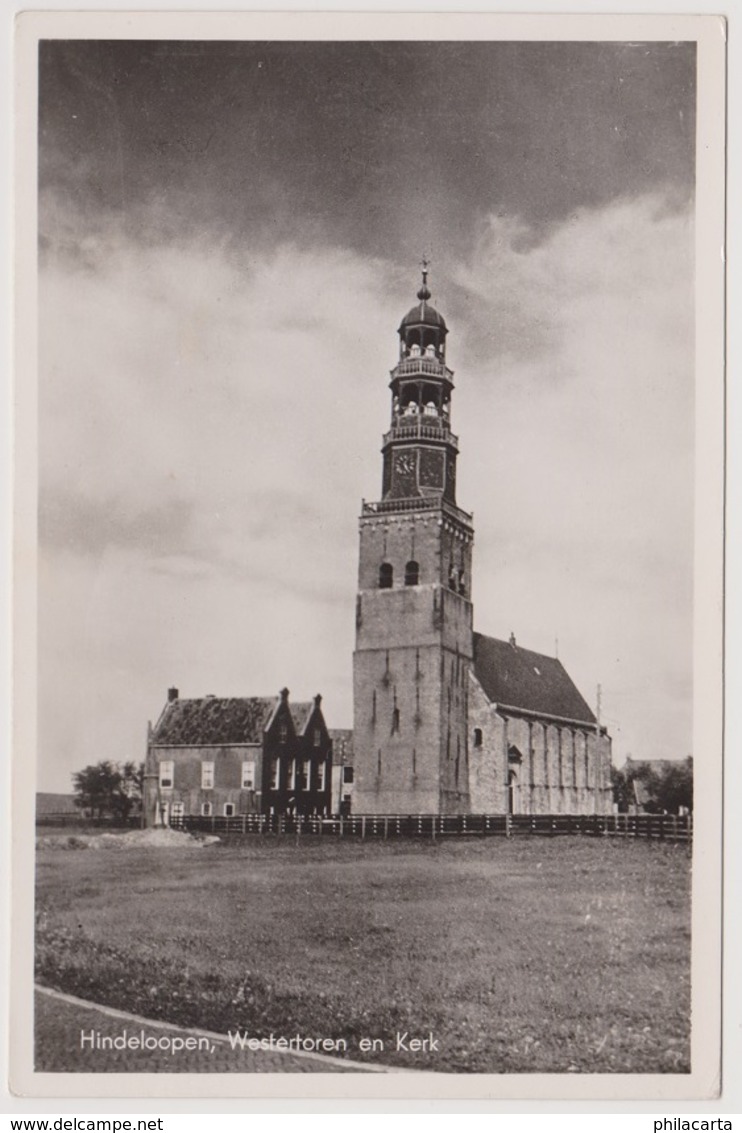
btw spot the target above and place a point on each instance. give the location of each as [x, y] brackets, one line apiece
[424, 292]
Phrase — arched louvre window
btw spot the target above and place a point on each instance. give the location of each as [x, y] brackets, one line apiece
[412, 573]
[386, 576]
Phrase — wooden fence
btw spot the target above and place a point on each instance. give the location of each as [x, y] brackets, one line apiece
[663, 827]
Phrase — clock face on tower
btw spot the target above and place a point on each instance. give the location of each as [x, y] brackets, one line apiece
[404, 463]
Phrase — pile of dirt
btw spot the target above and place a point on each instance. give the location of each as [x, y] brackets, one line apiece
[157, 837]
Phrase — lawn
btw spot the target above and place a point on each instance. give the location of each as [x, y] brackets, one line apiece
[523, 955]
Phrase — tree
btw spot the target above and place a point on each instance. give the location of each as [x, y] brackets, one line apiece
[668, 784]
[108, 789]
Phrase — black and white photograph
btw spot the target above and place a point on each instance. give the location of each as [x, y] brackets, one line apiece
[372, 724]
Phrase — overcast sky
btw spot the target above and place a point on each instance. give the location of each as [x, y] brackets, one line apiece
[230, 234]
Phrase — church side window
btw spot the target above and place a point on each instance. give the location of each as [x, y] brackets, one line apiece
[412, 573]
[229, 810]
[167, 768]
[248, 775]
[386, 576]
[206, 810]
[207, 776]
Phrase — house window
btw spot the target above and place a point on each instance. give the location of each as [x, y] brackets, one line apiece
[386, 576]
[177, 810]
[317, 737]
[321, 777]
[206, 810]
[477, 737]
[248, 775]
[229, 810]
[207, 776]
[283, 733]
[306, 775]
[347, 774]
[292, 775]
[167, 767]
[412, 573]
[275, 774]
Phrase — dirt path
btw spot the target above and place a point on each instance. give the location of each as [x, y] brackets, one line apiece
[68, 1033]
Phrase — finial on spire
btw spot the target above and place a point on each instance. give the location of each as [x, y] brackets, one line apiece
[424, 292]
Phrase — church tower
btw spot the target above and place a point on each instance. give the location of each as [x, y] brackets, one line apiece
[414, 640]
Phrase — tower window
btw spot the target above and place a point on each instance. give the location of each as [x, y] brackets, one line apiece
[386, 576]
[395, 719]
[462, 584]
[412, 573]
[477, 737]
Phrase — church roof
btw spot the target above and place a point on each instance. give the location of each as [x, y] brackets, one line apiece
[519, 678]
[213, 720]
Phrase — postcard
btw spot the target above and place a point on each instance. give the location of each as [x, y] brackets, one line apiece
[368, 556]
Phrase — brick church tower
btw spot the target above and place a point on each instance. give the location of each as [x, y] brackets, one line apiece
[414, 638]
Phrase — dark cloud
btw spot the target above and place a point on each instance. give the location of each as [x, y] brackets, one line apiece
[383, 147]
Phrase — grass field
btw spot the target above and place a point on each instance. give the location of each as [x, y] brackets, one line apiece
[522, 955]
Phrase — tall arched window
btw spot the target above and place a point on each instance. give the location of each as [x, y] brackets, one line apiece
[412, 573]
[386, 576]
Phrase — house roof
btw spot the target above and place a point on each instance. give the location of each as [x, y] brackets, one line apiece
[49, 803]
[533, 682]
[214, 720]
[342, 746]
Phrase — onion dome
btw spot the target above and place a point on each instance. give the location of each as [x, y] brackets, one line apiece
[423, 314]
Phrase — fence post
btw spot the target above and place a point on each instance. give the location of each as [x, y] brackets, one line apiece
[386, 827]
[363, 826]
[507, 824]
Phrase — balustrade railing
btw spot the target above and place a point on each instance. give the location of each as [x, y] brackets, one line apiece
[415, 503]
[431, 367]
[425, 428]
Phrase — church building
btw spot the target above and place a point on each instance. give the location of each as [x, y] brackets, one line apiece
[448, 721]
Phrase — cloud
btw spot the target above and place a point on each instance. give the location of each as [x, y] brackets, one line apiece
[584, 499]
[209, 421]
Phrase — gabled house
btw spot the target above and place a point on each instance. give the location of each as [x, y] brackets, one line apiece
[215, 756]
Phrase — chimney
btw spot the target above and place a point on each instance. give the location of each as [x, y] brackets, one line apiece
[512, 639]
[172, 694]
